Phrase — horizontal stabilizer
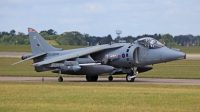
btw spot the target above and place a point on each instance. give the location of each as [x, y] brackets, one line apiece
[32, 57]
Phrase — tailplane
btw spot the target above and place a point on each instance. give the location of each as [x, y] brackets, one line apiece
[38, 44]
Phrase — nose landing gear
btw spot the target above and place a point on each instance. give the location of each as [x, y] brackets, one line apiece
[130, 77]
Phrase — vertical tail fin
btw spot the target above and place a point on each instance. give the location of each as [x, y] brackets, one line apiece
[38, 44]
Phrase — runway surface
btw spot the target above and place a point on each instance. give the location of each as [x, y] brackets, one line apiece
[20, 54]
[105, 80]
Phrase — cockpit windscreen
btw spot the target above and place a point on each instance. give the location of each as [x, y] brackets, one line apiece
[150, 43]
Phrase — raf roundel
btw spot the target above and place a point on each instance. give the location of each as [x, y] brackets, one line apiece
[123, 55]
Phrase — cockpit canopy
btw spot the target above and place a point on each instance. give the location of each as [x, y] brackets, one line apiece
[150, 43]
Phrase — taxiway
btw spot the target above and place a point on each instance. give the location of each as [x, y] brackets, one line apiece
[105, 80]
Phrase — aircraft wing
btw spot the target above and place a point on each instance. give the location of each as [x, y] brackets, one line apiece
[83, 52]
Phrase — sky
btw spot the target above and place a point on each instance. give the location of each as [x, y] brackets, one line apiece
[103, 17]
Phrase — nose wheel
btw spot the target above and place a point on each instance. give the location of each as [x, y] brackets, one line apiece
[130, 77]
[110, 78]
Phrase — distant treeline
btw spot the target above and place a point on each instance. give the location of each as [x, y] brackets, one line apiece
[76, 38]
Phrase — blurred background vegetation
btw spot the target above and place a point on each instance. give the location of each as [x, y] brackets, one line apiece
[78, 39]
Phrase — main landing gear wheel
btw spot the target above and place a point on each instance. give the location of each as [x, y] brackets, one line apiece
[110, 78]
[130, 78]
[92, 78]
[60, 79]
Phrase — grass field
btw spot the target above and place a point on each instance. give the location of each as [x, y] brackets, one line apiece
[26, 48]
[93, 97]
[189, 50]
[15, 48]
[176, 69]
[183, 69]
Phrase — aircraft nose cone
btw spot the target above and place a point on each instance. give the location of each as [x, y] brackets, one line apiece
[174, 55]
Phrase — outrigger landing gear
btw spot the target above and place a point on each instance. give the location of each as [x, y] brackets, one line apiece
[130, 77]
[110, 78]
[60, 78]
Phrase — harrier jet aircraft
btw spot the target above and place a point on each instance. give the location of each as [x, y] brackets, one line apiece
[110, 59]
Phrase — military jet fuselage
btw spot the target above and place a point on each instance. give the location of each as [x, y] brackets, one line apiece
[110, 59]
